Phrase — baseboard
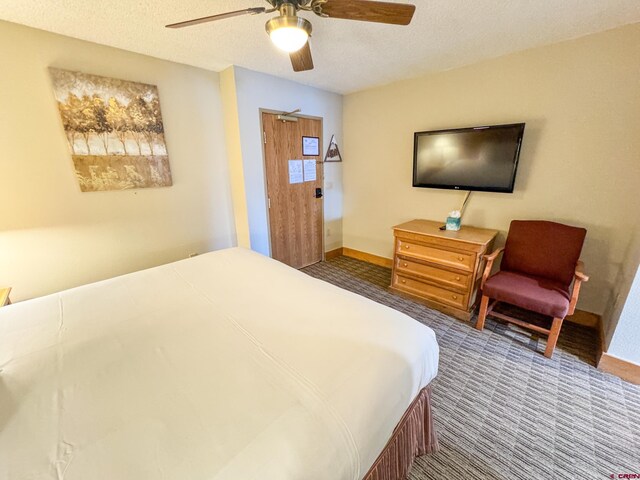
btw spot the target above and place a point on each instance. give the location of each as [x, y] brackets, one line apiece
[333, 253]
[367, 257]
[586, 319]
[621, 368]
[602, 347]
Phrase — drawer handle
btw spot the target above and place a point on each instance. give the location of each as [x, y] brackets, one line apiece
[407, 247]
[460, 258]
[403, 281]
[455, 297]
[457, 278]
[404, 265]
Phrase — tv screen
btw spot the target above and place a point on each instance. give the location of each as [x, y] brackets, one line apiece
[477, 158]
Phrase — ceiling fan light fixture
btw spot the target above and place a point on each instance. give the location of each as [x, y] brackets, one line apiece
[289, 33]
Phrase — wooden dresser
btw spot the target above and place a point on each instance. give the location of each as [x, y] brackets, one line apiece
[438, 267]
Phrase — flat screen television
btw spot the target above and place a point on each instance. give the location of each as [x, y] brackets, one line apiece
[476, 158]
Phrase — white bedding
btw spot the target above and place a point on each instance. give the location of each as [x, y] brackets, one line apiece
[226, 366]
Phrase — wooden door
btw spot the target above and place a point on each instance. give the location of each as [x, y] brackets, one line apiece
[295, 209]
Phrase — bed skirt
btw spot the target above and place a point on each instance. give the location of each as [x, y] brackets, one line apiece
[415, 435]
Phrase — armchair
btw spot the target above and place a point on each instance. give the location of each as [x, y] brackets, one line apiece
[540, 271]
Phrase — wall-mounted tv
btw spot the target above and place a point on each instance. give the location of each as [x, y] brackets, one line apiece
[476, 158]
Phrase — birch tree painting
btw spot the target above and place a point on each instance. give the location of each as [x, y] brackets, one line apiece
[114, 129]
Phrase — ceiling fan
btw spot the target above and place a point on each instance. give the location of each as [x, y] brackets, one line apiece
[291, 33]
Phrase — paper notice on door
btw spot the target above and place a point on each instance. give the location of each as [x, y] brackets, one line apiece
[295, 171]
[310, 171]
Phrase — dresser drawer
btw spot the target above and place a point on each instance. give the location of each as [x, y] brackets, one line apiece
[431, 292]
[463, 261]
[457, 280]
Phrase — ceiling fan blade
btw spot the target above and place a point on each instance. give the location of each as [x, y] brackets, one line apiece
[302, 60]
[211, 18]
[367, 11]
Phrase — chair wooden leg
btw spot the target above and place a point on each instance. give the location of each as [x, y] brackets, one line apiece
[482, 315]
[553, 336]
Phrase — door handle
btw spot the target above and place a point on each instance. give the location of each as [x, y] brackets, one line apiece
[318, 193]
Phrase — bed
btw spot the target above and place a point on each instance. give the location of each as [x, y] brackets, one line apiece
[225, 366]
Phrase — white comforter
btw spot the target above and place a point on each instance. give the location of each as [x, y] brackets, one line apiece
[226, 366]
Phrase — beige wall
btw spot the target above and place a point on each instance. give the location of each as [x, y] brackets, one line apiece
[51, 235]
[580, 162]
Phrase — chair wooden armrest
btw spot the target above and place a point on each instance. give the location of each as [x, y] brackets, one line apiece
[489, 265]
[579, 277]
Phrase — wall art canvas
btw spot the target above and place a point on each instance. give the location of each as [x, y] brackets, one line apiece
[114, 129]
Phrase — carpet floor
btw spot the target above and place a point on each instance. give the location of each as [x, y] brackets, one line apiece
[503, 410]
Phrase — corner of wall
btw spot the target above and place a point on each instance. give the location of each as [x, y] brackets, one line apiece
[234, 150]
[623, 285]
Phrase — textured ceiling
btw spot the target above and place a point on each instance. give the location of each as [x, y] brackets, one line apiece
[348, 55]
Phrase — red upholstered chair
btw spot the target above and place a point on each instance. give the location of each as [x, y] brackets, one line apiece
[540, 272]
